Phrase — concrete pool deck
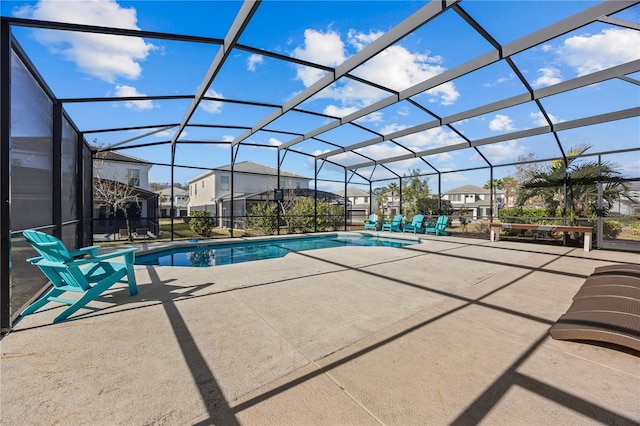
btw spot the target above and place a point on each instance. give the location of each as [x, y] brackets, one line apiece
[449, 331]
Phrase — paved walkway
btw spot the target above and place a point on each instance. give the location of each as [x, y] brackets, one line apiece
[450, 331]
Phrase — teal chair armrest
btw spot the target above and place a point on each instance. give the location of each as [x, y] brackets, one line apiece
[90, 250]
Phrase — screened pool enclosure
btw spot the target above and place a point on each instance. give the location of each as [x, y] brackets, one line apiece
[446, 92]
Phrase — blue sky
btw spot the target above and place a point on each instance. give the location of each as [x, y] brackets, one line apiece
[328, 33]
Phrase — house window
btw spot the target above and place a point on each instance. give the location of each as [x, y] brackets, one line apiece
[298, 185]
[224, 183]
[366, 200]
[456, 197]
[203, 183]
[133, 177]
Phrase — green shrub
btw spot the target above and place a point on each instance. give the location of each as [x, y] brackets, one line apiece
[201, 222]
[482, 226]
[611, 228]
[263, 217]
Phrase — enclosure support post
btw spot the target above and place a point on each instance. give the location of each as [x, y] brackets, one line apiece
[346, 213]
[171, 213]
[439, 193]
[400, 197]
[57, 169]
[491, 190]
[80, 186]
[5, 177]
[278, 201]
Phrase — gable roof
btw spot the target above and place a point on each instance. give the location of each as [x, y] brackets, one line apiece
[118, 156]
[252, 168]
[176, 191]
[469, 189]
[353, 191]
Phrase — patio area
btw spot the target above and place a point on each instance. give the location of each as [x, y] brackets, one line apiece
[450, 331]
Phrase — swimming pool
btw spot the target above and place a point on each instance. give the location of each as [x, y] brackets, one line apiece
[204, 255]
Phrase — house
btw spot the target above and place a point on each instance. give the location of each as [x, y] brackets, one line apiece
[122, 168]
[211, 191]
[358, 202]
[475, 199]
[628, 204]
[126, 172]
[180, 201]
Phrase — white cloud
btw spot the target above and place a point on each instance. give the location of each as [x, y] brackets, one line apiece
[548, 77]
[253, 61]
[361, 40]
[374, 117]
[322, 48]
[127, 91]
[396, 68]
[499, 152]
[168, 134]
[539, 120]
[590, 53]
[501, 123]
[107, 57]
[336, 111]
[500, 80]
[213, 107]
[428, 139]
[274, 142]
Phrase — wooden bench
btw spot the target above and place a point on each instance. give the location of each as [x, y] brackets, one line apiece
[587, 230]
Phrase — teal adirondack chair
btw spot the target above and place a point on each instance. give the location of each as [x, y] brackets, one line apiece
[371, 222]
[82, 271]
[439, 227]
[394, 225]
[415, 225]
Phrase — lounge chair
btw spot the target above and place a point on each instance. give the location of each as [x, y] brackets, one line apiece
[82, 271]
[415, 225]
[123, 233]
[604, 310]
[394, 225]
[439, 227]
[142, 233]
[371, 222]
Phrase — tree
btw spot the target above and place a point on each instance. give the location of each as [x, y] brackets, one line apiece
[114, 195]
[381, 198]
[581, 180]
[201, 222]
[497, 184]
[526, 168]
[263, 216]
[393, 188]
[510, 186]
[414, 190]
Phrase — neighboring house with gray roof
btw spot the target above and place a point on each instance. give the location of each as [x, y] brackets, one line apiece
[358, 203]
[475, 199]
[209, 190]
[123, 168]
[180, 201]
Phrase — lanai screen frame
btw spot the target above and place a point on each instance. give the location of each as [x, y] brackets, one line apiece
[601, 12]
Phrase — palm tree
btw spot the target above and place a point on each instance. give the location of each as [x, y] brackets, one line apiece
[497, 184]
[581, 180]
[393, 188]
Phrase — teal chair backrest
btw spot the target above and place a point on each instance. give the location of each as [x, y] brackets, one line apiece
[373, 217]
[397, 219]
[417, 220]
[47, 246]
[442, 222]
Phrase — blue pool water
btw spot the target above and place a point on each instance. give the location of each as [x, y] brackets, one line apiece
[203, 255]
